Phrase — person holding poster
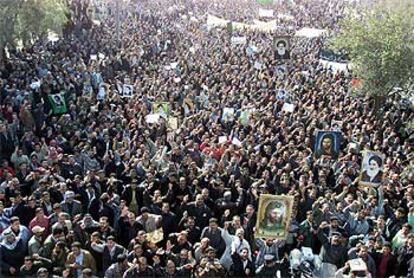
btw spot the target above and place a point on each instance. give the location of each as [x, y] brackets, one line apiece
[274, 216]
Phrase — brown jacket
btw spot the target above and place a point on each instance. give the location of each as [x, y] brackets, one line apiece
[88, 260]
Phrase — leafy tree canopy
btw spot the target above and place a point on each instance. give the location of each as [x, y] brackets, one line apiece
[380, 41]
[27, 20]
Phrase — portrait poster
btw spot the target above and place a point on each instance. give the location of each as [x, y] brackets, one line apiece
[372, 168]
[162, 108]
[282, 48]
[172, 123]
[327, 143]
[282, 94]
[280, 69]
[228, 113]
[274, 216]
[127, 90]
[244, 116]
[58, 103]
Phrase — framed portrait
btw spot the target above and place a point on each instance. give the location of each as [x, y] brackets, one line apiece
[327, 143]
[372, 168]
[274, 216]
[172, 123]
[228, 113]
[282, 94]
[162, 108]
[282, 48]
[127, 90]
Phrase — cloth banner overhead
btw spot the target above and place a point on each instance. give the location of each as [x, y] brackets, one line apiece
[310, 32]
[238, 40]
[214, 21]
[334, 66]
[265, 2]
[262, 26]
[265, 13]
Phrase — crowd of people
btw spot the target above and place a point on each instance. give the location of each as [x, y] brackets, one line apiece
[95, 189]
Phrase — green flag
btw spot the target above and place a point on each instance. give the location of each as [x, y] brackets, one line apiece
[265, 2]
[58, 103]
[230, 27]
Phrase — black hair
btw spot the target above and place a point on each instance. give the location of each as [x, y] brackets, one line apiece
[376, 158]
[281, 42]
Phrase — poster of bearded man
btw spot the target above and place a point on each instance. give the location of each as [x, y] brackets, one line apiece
[282, 48]
[274, 215]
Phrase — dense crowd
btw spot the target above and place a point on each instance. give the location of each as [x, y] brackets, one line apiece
[99, 190]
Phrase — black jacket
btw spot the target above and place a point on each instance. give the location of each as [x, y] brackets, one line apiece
[333, 254]
[201, 214]
[107, 259]
[126, 231]
[127, 196]
[12, 257]
[238, 269]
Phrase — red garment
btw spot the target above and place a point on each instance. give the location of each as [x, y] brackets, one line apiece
[8, 115]
[217, 153]
[203, 146]
[9, 169]
[43, 222]
[382, 268]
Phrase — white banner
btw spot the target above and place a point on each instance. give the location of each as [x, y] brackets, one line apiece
[310, 32]
[265, 13]
[288, 107]
[238, 40]
[214, 21]
[334, 66]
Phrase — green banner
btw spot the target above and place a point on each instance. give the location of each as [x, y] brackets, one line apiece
[58, 103]
[265, 2]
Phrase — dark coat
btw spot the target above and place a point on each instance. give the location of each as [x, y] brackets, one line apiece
[126, 231]
[238, 269]
[391, 264]
[201, 214]
[107, 259]
[12, 257]
[127, 196]
[336, 255]
[76, 208]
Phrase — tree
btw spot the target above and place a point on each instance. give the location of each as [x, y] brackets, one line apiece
[24, 21]
[380, 41]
